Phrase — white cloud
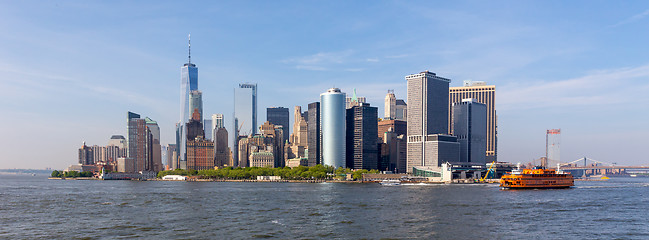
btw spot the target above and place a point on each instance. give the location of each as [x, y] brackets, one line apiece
[321, 61]
[602, 87]
[632, 19]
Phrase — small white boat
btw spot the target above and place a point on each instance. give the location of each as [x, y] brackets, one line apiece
[390, 182]
[633, 175]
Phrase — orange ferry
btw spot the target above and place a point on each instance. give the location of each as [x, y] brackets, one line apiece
[536, 178]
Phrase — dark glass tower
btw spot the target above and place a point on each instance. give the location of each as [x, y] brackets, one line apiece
[361, 138]
[313, 134]
[279, 116]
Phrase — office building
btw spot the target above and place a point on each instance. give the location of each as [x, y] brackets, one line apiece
[137, 142]
[354, 100]
[154, 149]
[361, 138]
[200, 154]
[245, 114]
[298, 139]
[98, 153]
[313, 135]
[395, 109]
[393, 152]
[428, 144]
[208, 128]
[221, 148]
[172, 158]
[398, 127]
[188, 83]
[279, 116]
[196, 102]
[485, 94]
[470, 128]
[332, 127]
[218, 121]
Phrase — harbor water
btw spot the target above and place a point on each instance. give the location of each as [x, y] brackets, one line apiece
[33, 207]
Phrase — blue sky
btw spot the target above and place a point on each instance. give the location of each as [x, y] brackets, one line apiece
[70, 70]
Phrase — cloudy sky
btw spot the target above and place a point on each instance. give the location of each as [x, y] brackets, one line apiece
[70, 70]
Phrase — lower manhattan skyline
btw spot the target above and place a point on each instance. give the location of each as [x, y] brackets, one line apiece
[70, 71]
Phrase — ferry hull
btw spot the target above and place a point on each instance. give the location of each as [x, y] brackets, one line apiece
[537, 179]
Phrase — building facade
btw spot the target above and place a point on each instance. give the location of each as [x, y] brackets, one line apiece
[470, 128]
[221, 149]
[394, 108]
[279, 116]
[399, 127]
[245, 114]
[137, 142]
[200, 154]
[485, 94]
[188, 83]
[332, 127]
[313, 135]
[361, 137]
[427, 118]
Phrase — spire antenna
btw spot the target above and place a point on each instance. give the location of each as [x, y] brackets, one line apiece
[189, 37]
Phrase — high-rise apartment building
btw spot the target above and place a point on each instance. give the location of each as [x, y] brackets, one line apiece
[279, 116]
[470, 128]
[428, 144]
[332, 127]
[361, 138]
[86, 155]
[485, 94]
[313, 134]
[188, 83]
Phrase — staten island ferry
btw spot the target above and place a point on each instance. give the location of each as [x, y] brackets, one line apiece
[536, 178]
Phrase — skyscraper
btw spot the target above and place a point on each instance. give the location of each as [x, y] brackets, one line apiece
[154, 157]
[279, 116]
[221, 149]
[361, 138]
[354, 100]
[313, 134]
[485, 94]
[217, 121]
[196, 102]
[332, 124]
[470, 128]
[137, 142]
[188, 83]
[245, 114]
[390, 107]
[428, 144]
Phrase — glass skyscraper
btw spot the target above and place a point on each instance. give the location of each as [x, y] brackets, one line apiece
[188, 83]
[332, 113]
[245, 114]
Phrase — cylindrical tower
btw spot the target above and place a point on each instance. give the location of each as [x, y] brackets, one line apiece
[332, 115]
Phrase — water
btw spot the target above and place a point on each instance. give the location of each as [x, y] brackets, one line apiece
[35, 207]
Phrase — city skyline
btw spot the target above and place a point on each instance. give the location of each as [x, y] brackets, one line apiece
[67, 75]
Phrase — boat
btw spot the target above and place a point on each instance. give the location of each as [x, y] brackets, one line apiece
[390, 182]
[536, 178]
[633, 175]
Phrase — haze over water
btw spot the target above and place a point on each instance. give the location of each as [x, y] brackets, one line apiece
[34, 207]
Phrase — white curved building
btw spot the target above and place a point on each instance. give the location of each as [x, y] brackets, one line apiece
[332, 127]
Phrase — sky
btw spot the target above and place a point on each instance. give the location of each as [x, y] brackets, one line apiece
[70, 70]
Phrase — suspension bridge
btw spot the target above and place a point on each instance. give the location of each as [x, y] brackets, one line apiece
[587, 166]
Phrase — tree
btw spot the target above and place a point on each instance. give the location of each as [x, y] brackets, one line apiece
[56, 174]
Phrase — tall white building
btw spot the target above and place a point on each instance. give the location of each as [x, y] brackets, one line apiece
[332, 125]
[395, 109]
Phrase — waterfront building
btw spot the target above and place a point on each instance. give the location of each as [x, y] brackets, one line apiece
[200, 154]
[394, 108]
[137, 142]
[393, 152]
[245, 113]
[86, 155]
[399, 127]
[269, 140]
[298, 139]
[262, 159]
[243, 150]
[470, 128]
[361, 138]
[279, 116]
[116, 148]
[313, 134]
[98, 153]
[332, 127]
[188, 83]
[125, 164]
[427, 120]
[296, 162]
[485, 94]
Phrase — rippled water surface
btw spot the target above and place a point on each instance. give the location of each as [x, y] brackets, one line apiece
[34, 207]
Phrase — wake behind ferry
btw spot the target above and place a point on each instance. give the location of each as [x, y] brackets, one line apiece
[536, 178]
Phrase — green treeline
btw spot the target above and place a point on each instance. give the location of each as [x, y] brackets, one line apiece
[70, 174]
[297, 173]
